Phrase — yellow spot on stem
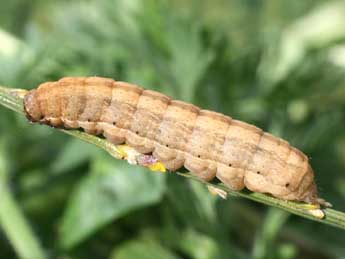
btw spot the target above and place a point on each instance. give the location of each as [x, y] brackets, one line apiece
[130, 155]
[307, 206]
[158, 166]
[312, 209]
[123, 150]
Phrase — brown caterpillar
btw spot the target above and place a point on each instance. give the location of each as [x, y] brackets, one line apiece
[207, 143]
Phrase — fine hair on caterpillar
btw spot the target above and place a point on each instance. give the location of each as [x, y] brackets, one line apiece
[176, 133]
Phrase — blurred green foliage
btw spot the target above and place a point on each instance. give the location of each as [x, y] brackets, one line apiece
[278, 64]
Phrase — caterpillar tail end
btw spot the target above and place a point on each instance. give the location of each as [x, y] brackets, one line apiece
[313, 199]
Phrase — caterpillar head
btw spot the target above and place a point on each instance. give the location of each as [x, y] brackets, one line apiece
[305, 189]
[295, 186]
[308, 190]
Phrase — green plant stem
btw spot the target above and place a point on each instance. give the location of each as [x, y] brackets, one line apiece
[12, 220]
[12, 99]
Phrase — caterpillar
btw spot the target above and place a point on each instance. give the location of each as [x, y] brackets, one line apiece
[178, 134]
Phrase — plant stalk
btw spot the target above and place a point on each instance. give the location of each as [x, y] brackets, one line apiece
[12, 99]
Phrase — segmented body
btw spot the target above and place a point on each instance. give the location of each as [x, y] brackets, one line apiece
[207, 143]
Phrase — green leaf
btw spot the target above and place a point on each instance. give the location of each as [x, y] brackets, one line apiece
[73, 154]
[197, 203]
[190, 59]
[142, 250]
[13, 222]
[324, 25]
[112, 190]
[199, 246]
[264, 243]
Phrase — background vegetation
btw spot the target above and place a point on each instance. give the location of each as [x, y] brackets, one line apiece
[277, 64]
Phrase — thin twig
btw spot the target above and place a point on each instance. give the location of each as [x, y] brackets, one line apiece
[12, 99]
